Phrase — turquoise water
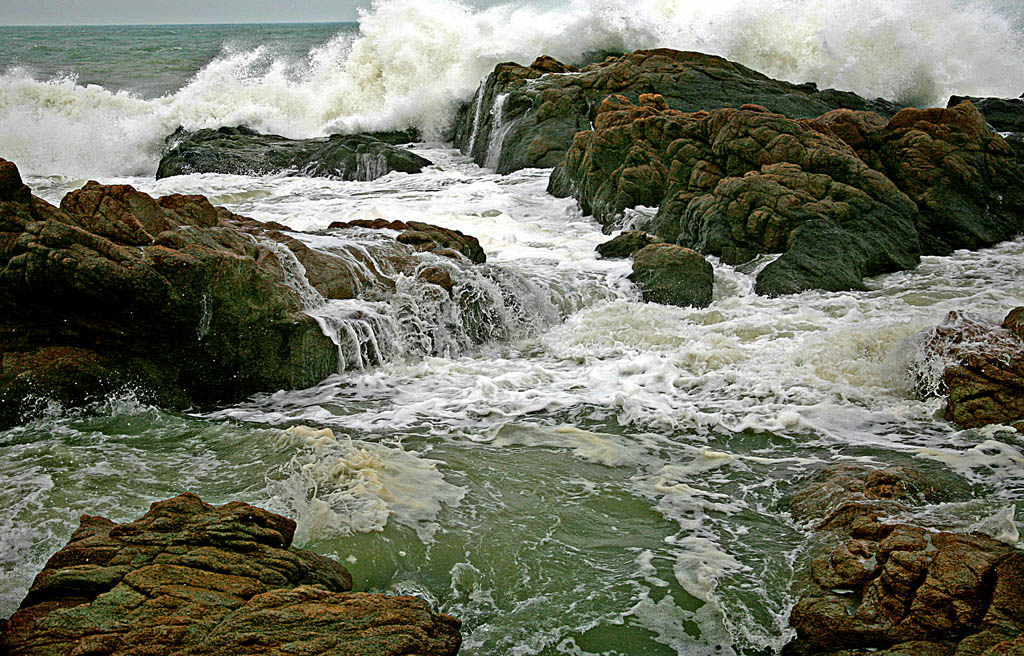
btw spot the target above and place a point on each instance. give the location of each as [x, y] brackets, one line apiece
[603, 476]
[148, 60]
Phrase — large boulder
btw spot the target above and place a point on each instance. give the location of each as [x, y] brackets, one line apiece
[243, 151]
[673, 275]
[978, 367]
[183, 303]
[627, 244]
[897, 588]
[526, 116]
[739, 182]
[190, 578]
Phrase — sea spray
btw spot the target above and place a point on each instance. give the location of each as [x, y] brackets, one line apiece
[413, 62]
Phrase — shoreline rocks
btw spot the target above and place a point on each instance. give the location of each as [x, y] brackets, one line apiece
[181, 303]
[841, 197]
[191, 578]
[243, 151]
[526, 116]
[894, 588]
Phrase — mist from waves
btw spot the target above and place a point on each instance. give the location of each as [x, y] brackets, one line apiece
[412, 62]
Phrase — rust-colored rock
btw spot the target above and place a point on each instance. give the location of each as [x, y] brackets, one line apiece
[191, 578]
[424, 237]
[627, 244]
[981, 368]
[896, 587]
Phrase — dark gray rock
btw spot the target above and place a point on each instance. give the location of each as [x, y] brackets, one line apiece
[240, 150]
[673, 275]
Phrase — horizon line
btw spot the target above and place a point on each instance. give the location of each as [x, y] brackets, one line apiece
[298, 22]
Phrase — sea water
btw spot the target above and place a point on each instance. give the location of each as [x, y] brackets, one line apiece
[586, 474]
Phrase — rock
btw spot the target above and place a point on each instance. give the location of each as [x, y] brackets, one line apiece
[1003, 114]
[424, 237]
[190, 578]
[240, 150]
[841, 197]
[964, 178]
[177, 301]
[981, 368]
[673, 275]
[526, 116]
[626, 244]
[896, 587]
[737, 183]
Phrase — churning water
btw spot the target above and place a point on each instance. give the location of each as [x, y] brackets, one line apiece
[569, 471]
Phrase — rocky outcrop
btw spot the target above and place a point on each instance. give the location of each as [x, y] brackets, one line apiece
[626, 244]
[673, 275]
[964, 178]
[981, 368]
[424, 237]
[896, 588]
[183, 303]
[738, 182]
[1005, 115]
[193, 579]
[840, 197]
[240, 150]
[526, 116]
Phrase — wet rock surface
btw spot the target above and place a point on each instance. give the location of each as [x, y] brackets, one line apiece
[243, 151]
[879, 585]
[979, 369]
[175, 300]
[191, 578]
[526, 116]
[673, 275]
[738, 182]
[626, 244]
[841, 197]
[424, 237]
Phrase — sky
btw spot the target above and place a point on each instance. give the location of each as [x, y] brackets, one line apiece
[116, 12]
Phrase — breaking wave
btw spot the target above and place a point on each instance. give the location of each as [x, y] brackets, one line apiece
[413, 61]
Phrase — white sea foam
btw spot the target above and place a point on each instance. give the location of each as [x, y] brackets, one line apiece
[339, 487]
[413, 61]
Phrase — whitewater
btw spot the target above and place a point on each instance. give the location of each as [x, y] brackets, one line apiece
[600, 476]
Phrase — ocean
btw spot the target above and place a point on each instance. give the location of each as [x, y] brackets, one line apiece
[601, 476]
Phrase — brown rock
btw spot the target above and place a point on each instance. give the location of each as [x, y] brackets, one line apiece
[982, 369]
[191, 578]
[907, 589]
[543, 105]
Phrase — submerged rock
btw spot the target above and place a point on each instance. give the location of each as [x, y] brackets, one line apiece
[981, 368]
[526, 116]
[894, 587]
[424, 237]
[627, 244]
[841, 197]
[191, 578]
[240, 150]
[673, 275]
[175, 300]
